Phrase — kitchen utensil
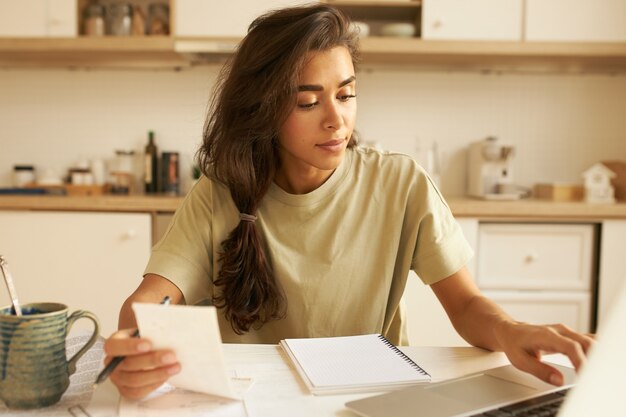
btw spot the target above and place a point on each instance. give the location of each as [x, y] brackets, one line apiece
[490, 170]
[8, 280]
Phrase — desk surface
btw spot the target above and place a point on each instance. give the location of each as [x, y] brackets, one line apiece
[278, 391]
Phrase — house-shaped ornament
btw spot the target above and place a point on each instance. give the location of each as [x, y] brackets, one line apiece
[598, 188]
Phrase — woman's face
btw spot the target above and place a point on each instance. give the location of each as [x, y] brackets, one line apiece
[313, 139]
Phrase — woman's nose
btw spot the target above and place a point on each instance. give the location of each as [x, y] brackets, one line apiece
[333, 117]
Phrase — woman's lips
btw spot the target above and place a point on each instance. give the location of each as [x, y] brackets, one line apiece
[332, 145]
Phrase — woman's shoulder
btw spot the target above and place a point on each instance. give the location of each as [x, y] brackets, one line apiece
[385, 161]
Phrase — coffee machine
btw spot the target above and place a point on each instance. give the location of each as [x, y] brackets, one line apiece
[490, 171]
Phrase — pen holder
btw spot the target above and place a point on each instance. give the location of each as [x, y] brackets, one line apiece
[34, 370]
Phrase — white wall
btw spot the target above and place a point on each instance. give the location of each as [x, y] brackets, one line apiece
[560, 124]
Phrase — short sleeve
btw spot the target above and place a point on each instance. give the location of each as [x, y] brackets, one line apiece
[441, 248]
[184, 253]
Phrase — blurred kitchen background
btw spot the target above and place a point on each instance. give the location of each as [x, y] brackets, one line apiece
[81, 80]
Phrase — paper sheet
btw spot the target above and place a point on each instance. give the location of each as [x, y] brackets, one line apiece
[193, 333]
[81, 382]
[169, 400]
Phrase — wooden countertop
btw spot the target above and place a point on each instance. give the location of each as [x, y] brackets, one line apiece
[534, 209]
[528, 209]
[107, 203]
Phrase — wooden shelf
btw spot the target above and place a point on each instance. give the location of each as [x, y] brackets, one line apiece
[492, 55]
[170, 52]
[116, 52]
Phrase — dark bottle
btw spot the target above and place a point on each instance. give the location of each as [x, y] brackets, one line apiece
[150, 166]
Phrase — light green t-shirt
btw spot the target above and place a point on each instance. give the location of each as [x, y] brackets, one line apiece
[341, 253]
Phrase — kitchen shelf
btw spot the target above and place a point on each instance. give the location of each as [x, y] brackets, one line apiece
[171, 52]
[116, 52]
[379, 10]
[496, 55]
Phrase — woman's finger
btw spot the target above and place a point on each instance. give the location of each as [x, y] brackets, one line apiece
[118, 345]
[531, 364]
[585, 340]
[137, 393]
[150, 360]
[140, 379]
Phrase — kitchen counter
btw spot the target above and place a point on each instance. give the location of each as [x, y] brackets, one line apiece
[106, 203]
[534, 209]
[528, 209]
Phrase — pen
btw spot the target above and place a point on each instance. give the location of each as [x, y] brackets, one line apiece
[116, 360]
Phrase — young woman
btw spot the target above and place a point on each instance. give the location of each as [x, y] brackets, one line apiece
[295, 231]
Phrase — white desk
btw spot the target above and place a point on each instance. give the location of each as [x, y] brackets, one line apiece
[278, 391]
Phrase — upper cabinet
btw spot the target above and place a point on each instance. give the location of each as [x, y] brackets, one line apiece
[217, 18]
[38, 18]
[472, 20]
[470, 35]
[576, 20]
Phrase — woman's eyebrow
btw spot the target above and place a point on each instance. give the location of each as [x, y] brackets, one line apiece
[317, 87]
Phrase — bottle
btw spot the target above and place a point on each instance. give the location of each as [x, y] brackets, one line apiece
[158, 19]
[150, 165]
[94, 15]
[120, 19]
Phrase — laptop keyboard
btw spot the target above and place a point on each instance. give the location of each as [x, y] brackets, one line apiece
[543, 406]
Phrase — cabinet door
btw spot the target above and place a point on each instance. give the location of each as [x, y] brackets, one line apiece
[38, 18]
[546, 307]
[62, 18]
[89, 261]
[427, 322]
[535, 256]
[23, 18]
[472, 19]
[217, 18]
[612, 265]
[576, 20]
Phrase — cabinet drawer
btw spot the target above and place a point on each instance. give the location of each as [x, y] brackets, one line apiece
[472, 19]
[573, 309]
[535, 256]
[576, 20]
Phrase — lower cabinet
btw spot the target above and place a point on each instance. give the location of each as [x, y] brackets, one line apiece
[537, 272]
[89, 261]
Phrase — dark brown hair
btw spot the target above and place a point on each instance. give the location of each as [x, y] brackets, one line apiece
[254, 94]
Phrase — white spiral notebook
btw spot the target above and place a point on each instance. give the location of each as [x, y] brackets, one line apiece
[364, 363]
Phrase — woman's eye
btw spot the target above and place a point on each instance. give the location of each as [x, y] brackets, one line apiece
[307, 105]
[347, 97]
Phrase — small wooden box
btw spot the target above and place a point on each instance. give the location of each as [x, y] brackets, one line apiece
[559, 192]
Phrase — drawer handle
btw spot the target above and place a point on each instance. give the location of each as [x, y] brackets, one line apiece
[530, 258]
[129, 234]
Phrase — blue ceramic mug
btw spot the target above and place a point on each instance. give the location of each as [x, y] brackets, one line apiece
[34, 370]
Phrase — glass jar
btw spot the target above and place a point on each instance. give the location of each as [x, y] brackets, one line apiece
[23, 175]
[93, 16]
[120, 19]
[158, 19]
[122, 174]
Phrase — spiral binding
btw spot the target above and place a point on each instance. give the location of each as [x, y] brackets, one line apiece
[402, 355]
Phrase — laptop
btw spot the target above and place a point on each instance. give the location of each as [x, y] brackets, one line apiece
[507, 391]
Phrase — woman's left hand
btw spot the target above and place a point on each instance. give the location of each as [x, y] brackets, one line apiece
[524, 344]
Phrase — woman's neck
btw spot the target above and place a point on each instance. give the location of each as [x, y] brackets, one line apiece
[301, 181]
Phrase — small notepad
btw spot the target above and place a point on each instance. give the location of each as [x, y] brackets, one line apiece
[364, 363]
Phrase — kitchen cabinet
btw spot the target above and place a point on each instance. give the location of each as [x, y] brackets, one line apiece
[38, 18]
[473, 37]
[215, 18]
[537, 272]
[89, 261]
[472, 20]
[575, 20]
[612, 265]
[427, 321]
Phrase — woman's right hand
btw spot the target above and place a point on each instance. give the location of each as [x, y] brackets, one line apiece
[143, 370]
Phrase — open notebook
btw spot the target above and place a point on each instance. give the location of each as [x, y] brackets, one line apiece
[338, 365]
